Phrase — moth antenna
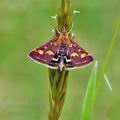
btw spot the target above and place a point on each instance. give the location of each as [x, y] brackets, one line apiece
[70, 29]
[58, 31]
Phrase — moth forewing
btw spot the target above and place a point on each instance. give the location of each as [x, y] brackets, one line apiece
[61, 52]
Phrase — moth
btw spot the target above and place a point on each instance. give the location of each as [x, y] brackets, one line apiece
[61, 52]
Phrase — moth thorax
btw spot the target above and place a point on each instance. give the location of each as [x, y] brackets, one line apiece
[62, 50]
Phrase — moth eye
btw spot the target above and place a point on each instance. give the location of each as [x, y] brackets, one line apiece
[83, 55]
[49, 52]
[74, 55]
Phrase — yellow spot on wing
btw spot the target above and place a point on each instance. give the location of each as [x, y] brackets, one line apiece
[83, 55]
[49, 52]
[40, 52]
[74, 54]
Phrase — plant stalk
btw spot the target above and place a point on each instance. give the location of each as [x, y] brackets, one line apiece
[58, 79]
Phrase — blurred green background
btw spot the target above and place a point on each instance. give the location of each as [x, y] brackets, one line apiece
[24, 84]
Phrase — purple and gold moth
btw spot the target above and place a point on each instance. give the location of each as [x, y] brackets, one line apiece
[61, 52]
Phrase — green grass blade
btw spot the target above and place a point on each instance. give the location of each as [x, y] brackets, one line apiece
[90, 94]
[108, 57]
